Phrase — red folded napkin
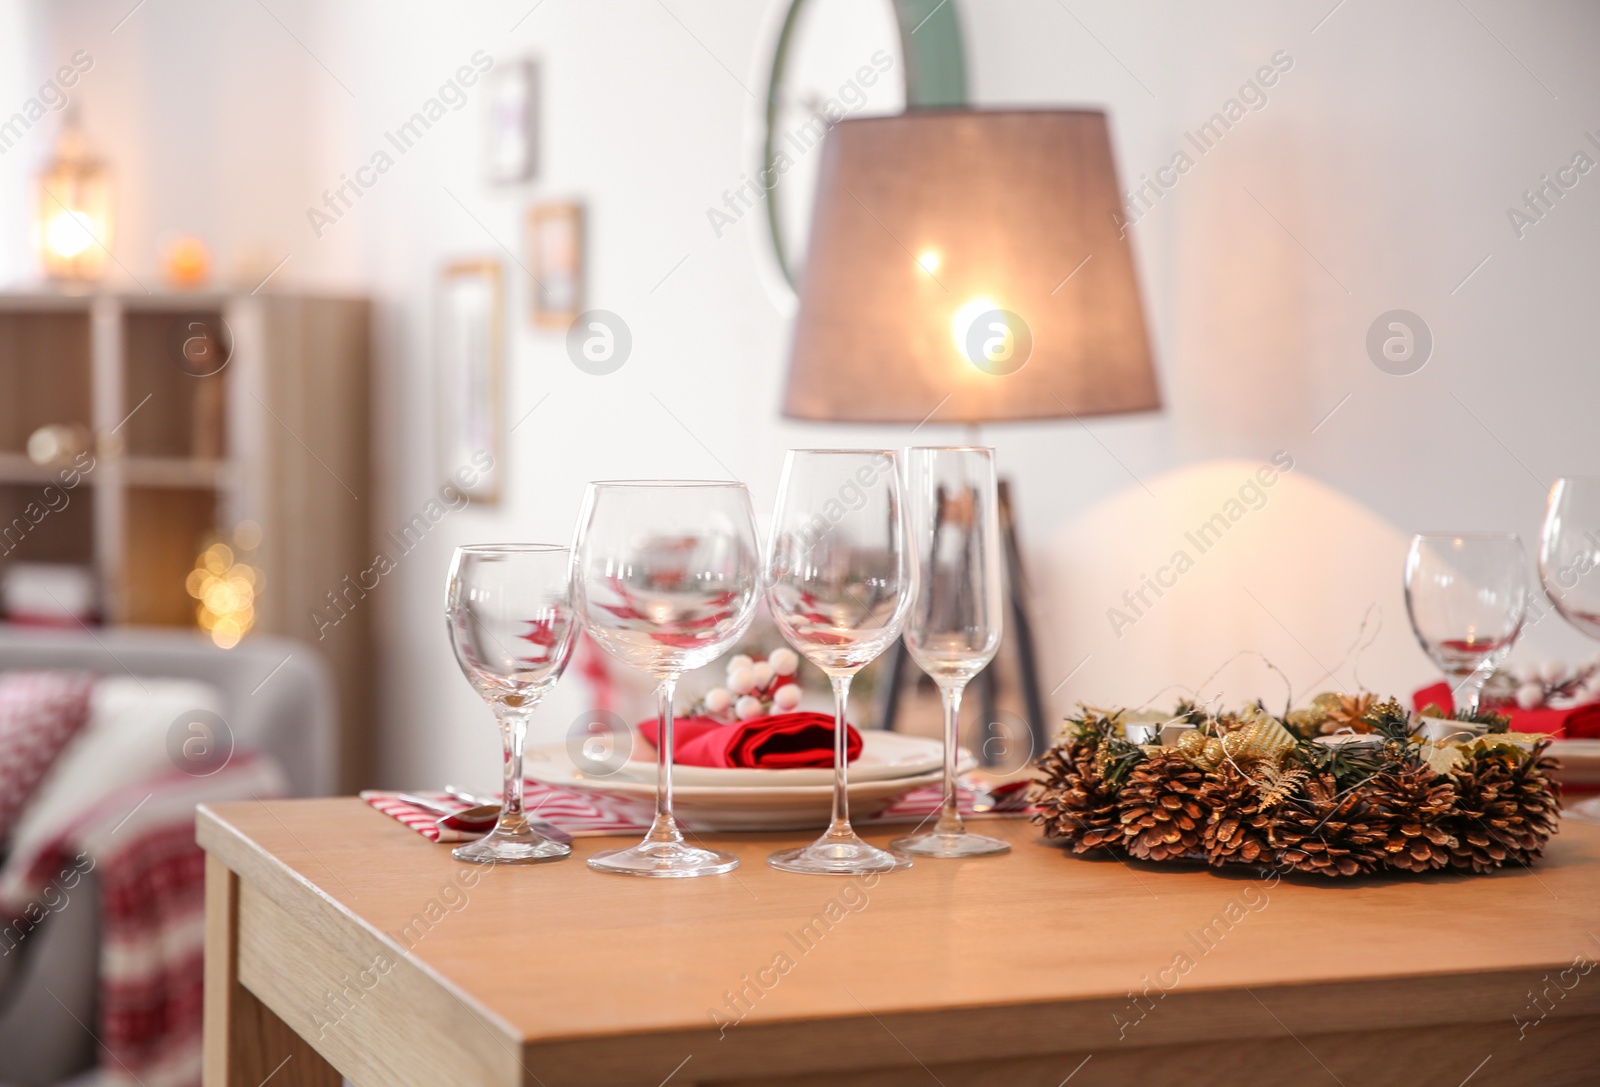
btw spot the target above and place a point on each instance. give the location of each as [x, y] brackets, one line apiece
[783, 741]
[1574, 722]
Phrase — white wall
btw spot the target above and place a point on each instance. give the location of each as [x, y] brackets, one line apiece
[1376, 178]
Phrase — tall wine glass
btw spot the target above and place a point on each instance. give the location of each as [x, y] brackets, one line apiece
[1467, 595]
[955, 623]
[1569, 568]
[511, 626]
[665, 577]
[840, 581]
[1569, 552]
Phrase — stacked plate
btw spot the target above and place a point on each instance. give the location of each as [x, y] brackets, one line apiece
[889, 766]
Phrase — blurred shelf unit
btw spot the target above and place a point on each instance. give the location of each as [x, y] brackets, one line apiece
[196, 413]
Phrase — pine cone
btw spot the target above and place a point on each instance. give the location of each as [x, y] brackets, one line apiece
[1162, 818]
[1417, 804]
[1235, 829]
[1073, 804]
[1506, 808]
[1324, 832]
[1347, 712]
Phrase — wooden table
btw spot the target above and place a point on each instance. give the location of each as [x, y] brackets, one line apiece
[338, 939]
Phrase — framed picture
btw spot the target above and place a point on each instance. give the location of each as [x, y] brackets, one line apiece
[472, 377]
[555, 250]
[511, 143]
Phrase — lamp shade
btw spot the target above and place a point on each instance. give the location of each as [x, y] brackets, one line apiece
[969, 265]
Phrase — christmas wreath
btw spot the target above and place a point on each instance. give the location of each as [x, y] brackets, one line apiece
[1342, 788]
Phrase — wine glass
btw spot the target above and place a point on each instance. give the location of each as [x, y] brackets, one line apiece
[665, 577]
[955, 622]
[1569, 552]
[511, 626]
[1467, 595]
[1569, 567]
[840, 582]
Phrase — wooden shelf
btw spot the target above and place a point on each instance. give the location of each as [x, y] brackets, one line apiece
[208, 410]
[178, 472]
[17, 468]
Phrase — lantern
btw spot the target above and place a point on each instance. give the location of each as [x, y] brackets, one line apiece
[74, 210]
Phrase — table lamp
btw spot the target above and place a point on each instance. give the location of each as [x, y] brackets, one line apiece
[971, 266]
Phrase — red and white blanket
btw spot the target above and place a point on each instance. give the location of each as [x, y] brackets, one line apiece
[138, 840]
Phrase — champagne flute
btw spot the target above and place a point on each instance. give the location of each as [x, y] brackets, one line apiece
[511, 626]
[1467, 595]
[955, 623]
[665, 577]
[840, 582]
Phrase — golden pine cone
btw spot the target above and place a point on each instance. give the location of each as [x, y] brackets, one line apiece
[1326, 832]
[1162, 818]
[1343, 711]
[1073, 805]
[1235, 828]
[1416, 802]
[1507, 808]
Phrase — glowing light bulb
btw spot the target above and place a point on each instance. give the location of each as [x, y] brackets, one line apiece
[68, 233]
[930, 260]
[961, 323]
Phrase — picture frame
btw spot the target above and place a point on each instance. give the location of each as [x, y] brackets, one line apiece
[471, 346]
[556, 261]
[511, 130]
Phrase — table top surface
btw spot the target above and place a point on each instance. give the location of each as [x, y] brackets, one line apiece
[559, 951]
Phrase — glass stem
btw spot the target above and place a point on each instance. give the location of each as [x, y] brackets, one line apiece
[1474, 688]
[665, 827]
[513, 734]
[949, 814]
[840, 826]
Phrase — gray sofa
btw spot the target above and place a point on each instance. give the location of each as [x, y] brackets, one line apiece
[278, 698]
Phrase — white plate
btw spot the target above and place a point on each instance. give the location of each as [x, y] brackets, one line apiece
[712, 807]
[884, 755]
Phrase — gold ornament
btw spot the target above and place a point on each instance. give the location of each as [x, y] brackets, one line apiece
[1264, 739]
[1202, 750]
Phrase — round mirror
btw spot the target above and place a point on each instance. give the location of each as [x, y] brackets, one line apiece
[833, 60]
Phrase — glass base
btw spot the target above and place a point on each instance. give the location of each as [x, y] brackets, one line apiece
[664, 860]
[498, 848]
[950, 846]
[838, 855]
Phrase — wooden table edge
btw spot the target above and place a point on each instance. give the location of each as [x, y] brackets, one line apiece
[1037, 1027]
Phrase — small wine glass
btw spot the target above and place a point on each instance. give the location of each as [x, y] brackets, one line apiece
[1467, 595]
[511, 625]
[955, 623]
[665, 577]
[840, 582]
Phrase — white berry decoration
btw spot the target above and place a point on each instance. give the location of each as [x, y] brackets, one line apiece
[787, 697]
[741, 661]
[718, 699]
[784, 661]
[742, 680]
[747, 708]
[1530, 695]
[763, 673]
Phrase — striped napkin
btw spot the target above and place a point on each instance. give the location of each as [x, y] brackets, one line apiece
[585, 814]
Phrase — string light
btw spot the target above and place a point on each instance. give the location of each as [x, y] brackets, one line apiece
[225, 589]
